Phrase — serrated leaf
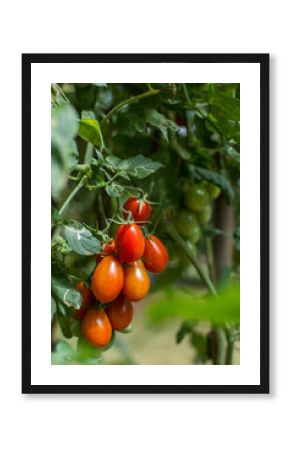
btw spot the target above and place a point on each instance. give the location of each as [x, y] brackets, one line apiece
[64, 291]
[81, 239]
[113, 162]
[158, 120]
[140, 167]
[114, 190]
[90, 131]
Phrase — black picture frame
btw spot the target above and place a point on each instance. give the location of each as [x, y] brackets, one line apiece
[27, 61]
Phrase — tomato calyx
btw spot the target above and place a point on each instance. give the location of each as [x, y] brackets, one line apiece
[129, 220]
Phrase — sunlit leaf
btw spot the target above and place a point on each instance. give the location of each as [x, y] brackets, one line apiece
[81, 239]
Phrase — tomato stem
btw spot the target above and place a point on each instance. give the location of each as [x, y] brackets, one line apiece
[171, 230]
[72, 194]
[130, 100]
[210, 257]
[222, 344]
[101, 208]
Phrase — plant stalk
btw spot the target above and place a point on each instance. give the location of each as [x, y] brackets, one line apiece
[171, 230]
[221, 341]
[230, 350]
[89, 153]
[101, 208]
[72, 194]
[210, 258]
[130, 100]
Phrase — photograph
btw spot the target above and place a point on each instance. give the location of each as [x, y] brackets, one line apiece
[145, 223]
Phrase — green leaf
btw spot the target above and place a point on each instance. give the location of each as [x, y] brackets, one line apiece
[230, 151]
[86, 353]
[113, 162]
[114, 190]
[81, 239]
[88, 115]
[134, 119]
[64, 291]
[200, 343]
[63, 160]
[139, 166]
[63, 354]
[55, 218]
[101, 84]
[157, 120]
[215, 178]
[185, 329]
[64, 125]
[229, 105]
[53, 307]
[176, 302]
[211, 232]
[70, 327]
[64, 323]
[90, 131]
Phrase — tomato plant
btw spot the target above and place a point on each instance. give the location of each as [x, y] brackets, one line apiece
[130, 162]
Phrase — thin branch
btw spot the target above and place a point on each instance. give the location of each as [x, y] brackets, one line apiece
[72, 194]
[130, 100]
[200, 270]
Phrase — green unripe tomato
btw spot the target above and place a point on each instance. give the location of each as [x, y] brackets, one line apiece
[187, 225]
[213, 190]
[196, 197]
[205, 214]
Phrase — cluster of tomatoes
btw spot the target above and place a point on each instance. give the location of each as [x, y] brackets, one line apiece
[197, 211]
[120, 276]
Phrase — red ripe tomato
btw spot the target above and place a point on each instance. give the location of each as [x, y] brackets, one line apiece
[120, 313]
[130, 242]
[140, 209]
[155, 256]
[107, 280]
[110, 247]
[136, 281]
[88, 300]
[96, 328]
